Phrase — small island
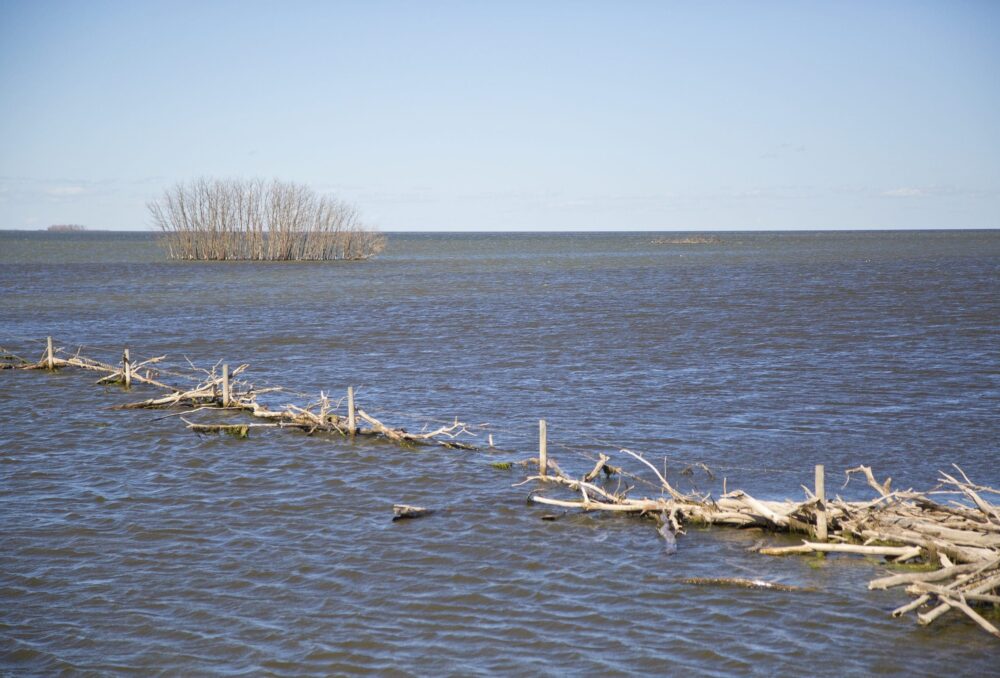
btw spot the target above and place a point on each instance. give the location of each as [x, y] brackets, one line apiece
[688, 240]
[257, 220]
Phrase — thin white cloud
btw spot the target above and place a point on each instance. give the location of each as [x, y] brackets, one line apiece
[63, 191]
[905, 192]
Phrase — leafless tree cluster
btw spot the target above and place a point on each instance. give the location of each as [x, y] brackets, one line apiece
[66, 228]
[233, 219]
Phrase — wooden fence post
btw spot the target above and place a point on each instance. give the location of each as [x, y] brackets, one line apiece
[50, 356]
[351, 417]
[127, 369]
[225, 385]
[543, 452]
[821, 506]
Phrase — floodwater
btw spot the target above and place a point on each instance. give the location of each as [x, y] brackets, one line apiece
[132, 546]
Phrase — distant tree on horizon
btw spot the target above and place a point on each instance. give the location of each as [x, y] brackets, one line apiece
[66, 228]
[257, 220]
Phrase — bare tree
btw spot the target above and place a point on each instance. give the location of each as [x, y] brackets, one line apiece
[235, 219]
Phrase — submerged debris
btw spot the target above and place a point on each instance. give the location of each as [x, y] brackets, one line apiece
[403, 511]
[959, 540]
[742, 583]
[688, 240]
[219, 388]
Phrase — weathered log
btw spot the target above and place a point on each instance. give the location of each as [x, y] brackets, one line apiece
[924, 587]
[900, 553]
[982, 587]
[404, 511]
[934, 575]
[742, 583]
[960, 603]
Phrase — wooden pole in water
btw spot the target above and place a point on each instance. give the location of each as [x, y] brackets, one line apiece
[543, 452]
[127, 369]
[225, 385]
[50, 356]
[351, 416]
[821, 506]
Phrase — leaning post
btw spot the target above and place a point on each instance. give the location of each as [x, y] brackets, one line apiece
[127, 369]
[225, 385]
[351, 416]
[821, 517]
[543, 452]
[50, 358]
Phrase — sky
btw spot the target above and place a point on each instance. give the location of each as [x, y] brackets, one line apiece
[507, 115]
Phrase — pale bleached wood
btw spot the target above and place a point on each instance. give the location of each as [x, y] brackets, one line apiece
[821, 517]
[910, 606]
[403, 511]
[911, 577]
[961, 604]
[983, 587]
[543, 449]
[898, 552]
[352, 421]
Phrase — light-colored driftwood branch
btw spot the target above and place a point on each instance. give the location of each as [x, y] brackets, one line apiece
[959, 540]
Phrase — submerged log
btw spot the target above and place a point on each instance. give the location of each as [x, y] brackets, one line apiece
[742, 583]
[405, 511]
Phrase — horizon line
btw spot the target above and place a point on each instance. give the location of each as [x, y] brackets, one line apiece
[845, 229]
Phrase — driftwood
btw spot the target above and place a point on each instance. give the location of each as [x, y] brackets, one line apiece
[10, 361]
[737, 582]
[898, 553]
[959, 541]
[405, 511]
[226, 390]
[445, 435]
[954, 529]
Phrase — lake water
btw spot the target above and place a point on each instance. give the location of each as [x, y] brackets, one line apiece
[130, 545]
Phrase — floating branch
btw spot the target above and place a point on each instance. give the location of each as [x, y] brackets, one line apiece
[404, 511]
[742, 583]
[10, 361]
[444, 436]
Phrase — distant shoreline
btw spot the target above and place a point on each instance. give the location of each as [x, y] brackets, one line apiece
[674, 233]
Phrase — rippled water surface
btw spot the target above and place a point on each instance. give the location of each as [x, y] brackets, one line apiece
[130, 545]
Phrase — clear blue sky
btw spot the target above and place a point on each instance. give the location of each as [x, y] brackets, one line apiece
[508, 115]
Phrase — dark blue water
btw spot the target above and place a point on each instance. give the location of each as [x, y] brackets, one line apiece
[133, 545]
